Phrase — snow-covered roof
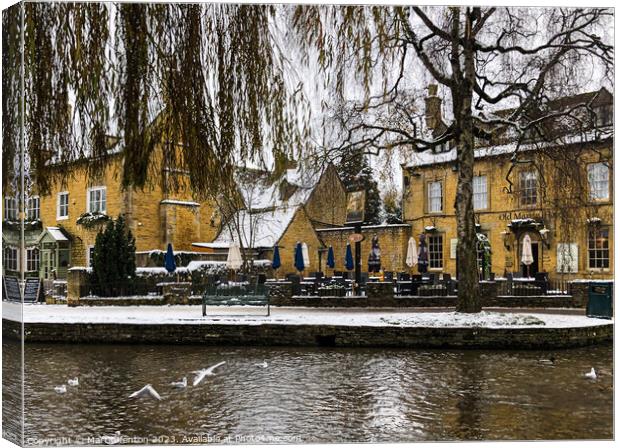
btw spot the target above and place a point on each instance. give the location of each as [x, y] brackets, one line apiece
[260, 192]
[429, 157]
[214, 245]
[263, 229]
[55, 232]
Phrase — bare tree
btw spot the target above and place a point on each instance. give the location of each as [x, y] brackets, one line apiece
[483, 58]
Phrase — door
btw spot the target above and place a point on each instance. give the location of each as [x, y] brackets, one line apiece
[533, 269]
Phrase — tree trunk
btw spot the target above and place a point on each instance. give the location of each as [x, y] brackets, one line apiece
[466, 255]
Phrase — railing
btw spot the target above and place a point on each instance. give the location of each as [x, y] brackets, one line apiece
[235, 294]
[533, 288]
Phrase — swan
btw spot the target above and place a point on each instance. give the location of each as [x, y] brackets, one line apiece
[591, 374]
[73, 381]
[262, 365]
[201, 374]
[61, 389]
[146, 391]
[180, 384]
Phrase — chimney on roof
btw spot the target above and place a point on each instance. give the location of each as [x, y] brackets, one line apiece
[433, 108]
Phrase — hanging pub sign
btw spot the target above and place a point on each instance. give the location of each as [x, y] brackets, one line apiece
[356, 203]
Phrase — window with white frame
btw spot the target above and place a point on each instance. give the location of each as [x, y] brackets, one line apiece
[435, 252]
[10, 209]
[10, 258]
[435, 197]
[598, 178]
[598, 248]
[32, 259]
[33, 210]
[528, 188]
[480, 193]
[97, 199]
[62, 211]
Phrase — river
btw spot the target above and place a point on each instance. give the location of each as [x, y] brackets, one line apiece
[311, 394]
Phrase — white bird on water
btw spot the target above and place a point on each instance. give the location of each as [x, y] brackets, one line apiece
[73, 381]
[201, 374]
[146, 391]
[591, 374]
[263, 365]
[180, 384]
[61, 389]
[112, 439]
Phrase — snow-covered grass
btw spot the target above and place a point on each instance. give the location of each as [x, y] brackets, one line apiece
[192, 314]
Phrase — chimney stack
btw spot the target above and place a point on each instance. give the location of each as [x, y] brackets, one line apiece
[433, 108]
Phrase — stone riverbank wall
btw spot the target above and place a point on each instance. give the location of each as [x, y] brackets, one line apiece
[313, 335]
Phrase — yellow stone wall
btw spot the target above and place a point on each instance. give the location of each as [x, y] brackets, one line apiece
[503, 206]
[153, 224]
[328, 202]
[393, 241]
[300, 229]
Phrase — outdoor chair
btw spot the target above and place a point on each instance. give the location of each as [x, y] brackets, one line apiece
[404, 276]
[541, 280]
[345, 275]
[388, 276]
[337, 273]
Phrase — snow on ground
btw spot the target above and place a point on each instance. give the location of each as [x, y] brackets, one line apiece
[188, 314]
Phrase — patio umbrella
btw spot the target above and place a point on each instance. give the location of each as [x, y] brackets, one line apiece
[169, 262]
[234, 260]
[374, 257]
[423, 255]
[299, 258]
[412, 253]
[304, 253]
[331, 263]
[348, 259]
[526, 253]
[276, 263]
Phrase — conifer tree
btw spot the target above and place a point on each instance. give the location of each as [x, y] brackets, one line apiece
[114, 259]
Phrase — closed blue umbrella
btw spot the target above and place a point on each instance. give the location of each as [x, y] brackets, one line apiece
[331, 263]
[299, 258]
[276, 263]
[169, 262]
[348, 259]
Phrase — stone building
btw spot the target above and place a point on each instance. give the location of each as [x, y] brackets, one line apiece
[66, 221]
[283, 211]
[560, 193]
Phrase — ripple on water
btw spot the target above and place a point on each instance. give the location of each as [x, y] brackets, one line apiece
[320, 395]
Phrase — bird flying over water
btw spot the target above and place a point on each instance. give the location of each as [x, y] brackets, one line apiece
[146, 391]
[201, 374]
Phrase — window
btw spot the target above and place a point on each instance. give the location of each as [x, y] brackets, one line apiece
[32, 259]
[34, 208]
[598, 248]
[62, 211]
[10, 258]
[435, 252]
[598, 178]
[435, 197]
[90, 253]
[480, 192]
[97, 200]
[528, 184]
[10, 209]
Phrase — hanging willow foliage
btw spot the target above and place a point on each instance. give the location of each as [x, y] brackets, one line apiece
[205, 83]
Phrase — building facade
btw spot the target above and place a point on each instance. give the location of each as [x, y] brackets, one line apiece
[560, 193]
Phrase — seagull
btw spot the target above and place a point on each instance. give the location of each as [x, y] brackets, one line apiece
[591, 375]
[549, 361]
[262, 365]
[113, 439]
[180, 384]
[61, 389]
[146, 391]
[201, 374]
[73, 381]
